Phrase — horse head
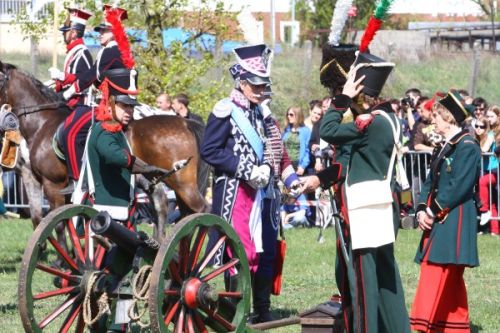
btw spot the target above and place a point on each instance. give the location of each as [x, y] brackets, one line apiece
[4, 77]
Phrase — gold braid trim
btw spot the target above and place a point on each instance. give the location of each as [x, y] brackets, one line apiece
[341, 70]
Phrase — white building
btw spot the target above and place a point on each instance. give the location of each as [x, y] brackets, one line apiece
[435, 7]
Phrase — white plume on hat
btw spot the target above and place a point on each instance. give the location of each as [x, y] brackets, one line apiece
[249, 25]
[338, 21]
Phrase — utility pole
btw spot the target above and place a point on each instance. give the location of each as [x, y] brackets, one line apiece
[273, 25]
[293, 23]
[55, 34]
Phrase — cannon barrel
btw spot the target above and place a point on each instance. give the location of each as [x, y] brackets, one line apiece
[127, 240]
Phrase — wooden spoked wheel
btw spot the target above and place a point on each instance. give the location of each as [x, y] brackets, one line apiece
[55, 271]
[188, 293]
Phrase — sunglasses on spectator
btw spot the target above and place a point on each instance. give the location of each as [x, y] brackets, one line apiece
[480, 126]
[290, 115]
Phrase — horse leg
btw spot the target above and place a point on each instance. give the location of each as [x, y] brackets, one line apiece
[190, 200]
[34, 193]
[160, 203]
[52, 192]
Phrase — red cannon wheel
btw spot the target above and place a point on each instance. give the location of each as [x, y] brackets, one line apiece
[54, 274]
[190, 295]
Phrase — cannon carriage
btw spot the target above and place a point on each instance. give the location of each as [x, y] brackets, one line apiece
[103, 273]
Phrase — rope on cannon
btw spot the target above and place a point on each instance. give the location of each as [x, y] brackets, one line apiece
[140, 291]
[102, 303]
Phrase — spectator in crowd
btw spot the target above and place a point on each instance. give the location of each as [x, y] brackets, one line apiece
[409, 105]
[466, 97]
[325, 104]
[447, 215]
[164, 103]
[315, 113]
[423, 139]
[315, 152]
[314, 141]
[396, 107]
[489, 179]
[296, 138]
[180, 104]
[480, 106]
[294, 212]
[481, 130]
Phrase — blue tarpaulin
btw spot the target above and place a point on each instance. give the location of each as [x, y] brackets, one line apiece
[207, 41]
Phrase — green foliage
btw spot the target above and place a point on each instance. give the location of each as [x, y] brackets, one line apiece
[31, 27]
[183, 68]
[175, 71]
[365, 10]
[315, 17]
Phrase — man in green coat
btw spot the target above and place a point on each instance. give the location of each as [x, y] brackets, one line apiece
[111, 166]
[109, 158]
[372, 212]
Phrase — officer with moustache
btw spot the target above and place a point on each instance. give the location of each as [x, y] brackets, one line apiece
[78, 60]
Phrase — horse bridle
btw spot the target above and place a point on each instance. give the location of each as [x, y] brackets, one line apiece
[25, 109]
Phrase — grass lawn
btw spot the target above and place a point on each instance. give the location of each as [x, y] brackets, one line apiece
[308, 273]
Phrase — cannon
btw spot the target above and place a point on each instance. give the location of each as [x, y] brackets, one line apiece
[102, 275]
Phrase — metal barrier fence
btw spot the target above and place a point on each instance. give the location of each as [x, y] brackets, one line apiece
[14, 193]
[416, 167]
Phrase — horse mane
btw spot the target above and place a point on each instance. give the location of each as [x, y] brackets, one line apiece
[44, 90]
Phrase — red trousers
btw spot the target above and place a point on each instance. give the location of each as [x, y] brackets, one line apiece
[486, 182]
[440, 303]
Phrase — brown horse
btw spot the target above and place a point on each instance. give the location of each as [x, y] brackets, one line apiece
[158, 140]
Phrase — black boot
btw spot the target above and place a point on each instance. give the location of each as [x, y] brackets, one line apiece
[262, 299]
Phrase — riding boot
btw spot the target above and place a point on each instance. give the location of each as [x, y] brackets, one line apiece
[262, 299]
[69, 189]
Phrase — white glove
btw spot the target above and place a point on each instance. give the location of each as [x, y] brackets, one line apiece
[295, 189]
[56, 74]
[254, 180]
[69, 92]
[259, 178]
[266, 111]
[265, 174]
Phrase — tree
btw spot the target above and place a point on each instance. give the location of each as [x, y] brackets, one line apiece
[490, 9]
[186, 66]
[316, 16]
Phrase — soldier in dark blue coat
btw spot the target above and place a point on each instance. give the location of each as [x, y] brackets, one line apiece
[447, 214]
[109, 57]
[78, 61]
[243, 144]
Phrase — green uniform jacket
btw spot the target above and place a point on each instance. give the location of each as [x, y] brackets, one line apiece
[453, 237]
[370, 148]
[110, 161]
[367, 146]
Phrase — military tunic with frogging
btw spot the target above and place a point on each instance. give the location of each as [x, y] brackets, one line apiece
[453, 238]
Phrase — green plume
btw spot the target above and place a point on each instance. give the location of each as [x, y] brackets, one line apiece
[382, 9]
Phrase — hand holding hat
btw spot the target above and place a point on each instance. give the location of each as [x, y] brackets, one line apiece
[352, 86]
